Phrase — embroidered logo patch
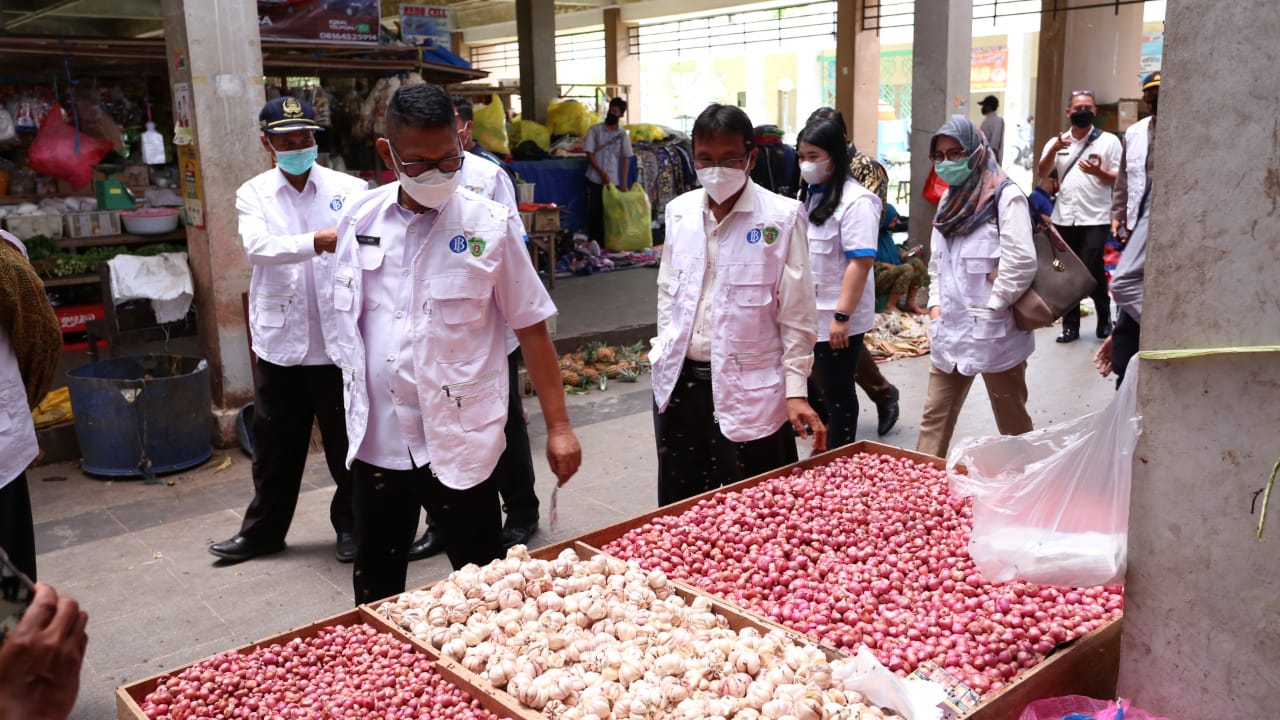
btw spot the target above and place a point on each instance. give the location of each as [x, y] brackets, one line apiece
[336, 203]
[458, 244]
[753, 236]
[770, 235]
[477, 246]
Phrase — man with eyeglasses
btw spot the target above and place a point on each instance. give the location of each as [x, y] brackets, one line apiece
[429, 276]
[737, 322]
[1087, 160]
[288, 216]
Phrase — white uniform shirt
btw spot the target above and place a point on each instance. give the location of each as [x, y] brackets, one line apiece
[487, 179]
[420, 305]
[18, 444]
[851, 232]
[290, 280]
[1082, 198]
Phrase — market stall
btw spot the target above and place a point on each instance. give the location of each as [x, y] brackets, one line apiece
[652, 617]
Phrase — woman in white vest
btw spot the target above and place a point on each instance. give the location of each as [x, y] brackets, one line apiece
[844, 220]
[983, 260]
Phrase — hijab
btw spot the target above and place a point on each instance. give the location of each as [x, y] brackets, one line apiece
[973, 202]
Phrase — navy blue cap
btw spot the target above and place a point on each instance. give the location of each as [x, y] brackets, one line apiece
[287, 114]
[1150, 80]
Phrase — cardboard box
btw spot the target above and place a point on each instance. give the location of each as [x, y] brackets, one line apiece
[546, 219]
[526, 217]
[95, 223]
[135, 175]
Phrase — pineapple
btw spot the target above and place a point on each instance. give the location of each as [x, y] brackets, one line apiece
[570, 378]
[606, 355]
[612, 371]
[591, 374]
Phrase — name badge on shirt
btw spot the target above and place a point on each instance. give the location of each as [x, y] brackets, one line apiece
[372, 240]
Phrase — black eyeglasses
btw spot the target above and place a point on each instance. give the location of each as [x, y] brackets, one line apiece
[451, 164]
[952, 155]
[732, 163]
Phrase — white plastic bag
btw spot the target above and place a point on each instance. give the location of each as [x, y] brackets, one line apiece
[912, 698]
[1052, 506]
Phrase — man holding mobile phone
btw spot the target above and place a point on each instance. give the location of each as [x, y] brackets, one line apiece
[1086, 160]
[30, 342]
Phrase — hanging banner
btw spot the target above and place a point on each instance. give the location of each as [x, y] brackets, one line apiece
[183, 133]
[346, 22]
[988, 68]
[192, 187]
[425, 25]
[1152, 51]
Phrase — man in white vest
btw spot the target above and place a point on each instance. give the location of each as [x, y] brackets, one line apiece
[287, 220]
[737, 321]
[1130, 211]
[428, 277]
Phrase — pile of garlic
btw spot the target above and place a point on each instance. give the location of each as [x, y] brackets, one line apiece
[601, 638]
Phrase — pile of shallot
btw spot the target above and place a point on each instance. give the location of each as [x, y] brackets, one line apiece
[341, 672]
[868, 549]
[600, 638]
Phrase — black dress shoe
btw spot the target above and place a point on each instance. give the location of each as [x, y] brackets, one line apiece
[1104, 330]
[346, 551]
[887, 412]
[241, 548]
[431, 543]
[513, 535]
[1069, 335]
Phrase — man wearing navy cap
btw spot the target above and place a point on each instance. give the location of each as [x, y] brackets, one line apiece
[1135, 162]
[288, 220]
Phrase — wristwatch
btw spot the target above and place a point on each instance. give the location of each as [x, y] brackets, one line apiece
[841, 317]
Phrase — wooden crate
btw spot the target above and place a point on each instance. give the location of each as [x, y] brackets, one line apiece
[129, 697]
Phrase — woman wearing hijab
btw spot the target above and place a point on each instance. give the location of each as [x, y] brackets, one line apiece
[983, 260]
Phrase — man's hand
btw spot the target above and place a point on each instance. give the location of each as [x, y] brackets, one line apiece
[1119, 231]
[935, 312]
[804, 419]
[326, 240]
[1091, 167]
[1063, 141]
[40, 660]
[839, 334]
[563, 452]
[1102, 358]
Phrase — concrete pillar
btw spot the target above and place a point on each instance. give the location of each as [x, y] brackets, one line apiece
[1094, 49]
[214, 50]
[458, 44]
[536, 31]
[939, 89]
[620, 66]
[1202, 620]
[857, 75]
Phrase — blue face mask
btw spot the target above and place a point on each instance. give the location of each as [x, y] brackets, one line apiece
[297, 162]
[953, 172]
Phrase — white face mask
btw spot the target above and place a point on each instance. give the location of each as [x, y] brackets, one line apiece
[721, 182]
[815, 173]
[432, 188]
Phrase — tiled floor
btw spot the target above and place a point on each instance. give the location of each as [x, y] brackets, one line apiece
[135, 555]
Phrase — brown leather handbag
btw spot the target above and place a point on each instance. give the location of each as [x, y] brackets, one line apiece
[1062, 281]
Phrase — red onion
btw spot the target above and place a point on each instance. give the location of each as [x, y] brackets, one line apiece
[868, 549]
[342, 671]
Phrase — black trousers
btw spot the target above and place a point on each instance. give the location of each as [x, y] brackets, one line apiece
[869, 377]
[1124, 344]
[386, 514]
[595, 211]
[514, 472]
[694, 456]
[1088, 242]
[831, 389]
[285, 401]
[17, 528]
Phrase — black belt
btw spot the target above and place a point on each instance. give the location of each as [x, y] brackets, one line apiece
[697, 370]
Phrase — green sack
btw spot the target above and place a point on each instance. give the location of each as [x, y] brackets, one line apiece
[627, 219]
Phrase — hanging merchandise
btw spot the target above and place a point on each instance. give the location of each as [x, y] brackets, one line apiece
[183, 134]
[627, 219]
[8, 131]
[152, 145]
[60, 151]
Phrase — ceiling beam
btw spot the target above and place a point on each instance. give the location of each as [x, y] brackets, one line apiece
[34, 15]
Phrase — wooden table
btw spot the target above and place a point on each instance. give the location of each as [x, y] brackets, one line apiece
[545, 241]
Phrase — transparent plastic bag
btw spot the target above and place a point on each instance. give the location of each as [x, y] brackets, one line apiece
[1052, 506]
[1078, 706]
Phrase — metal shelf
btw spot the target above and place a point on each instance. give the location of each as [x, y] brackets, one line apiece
[123, 239]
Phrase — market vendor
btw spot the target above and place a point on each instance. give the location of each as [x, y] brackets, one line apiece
[429, 274]
[484, 177]
[736, 322]
[30, 342]
[608, 147]
[288, 216]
